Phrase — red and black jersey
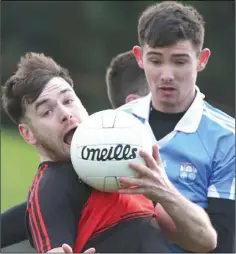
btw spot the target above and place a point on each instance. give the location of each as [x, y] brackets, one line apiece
[63, 209]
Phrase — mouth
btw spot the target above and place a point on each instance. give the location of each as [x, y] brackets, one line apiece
[68, 136]
[167, 90]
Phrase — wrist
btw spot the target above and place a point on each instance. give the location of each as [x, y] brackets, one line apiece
[171, 198]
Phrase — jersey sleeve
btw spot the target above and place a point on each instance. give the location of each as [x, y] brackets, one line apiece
[222, 179]
[13, 225]
[54, 208]
[222, 215]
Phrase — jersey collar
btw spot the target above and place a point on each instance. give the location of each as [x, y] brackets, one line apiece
[190, 120]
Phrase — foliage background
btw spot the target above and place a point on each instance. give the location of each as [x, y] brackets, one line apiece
[83, 36]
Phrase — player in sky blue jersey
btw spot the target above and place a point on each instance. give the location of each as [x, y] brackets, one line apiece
[186, 171]
[197, 155]
[196, 141]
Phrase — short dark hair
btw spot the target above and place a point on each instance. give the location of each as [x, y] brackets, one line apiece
[168, 22]
[124, 77]
[34, 71]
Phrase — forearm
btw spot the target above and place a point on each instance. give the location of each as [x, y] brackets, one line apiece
[194, 230]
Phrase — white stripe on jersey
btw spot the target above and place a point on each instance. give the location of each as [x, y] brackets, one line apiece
[219, 121]
[220, 115]
[212, 192]
[232, 190]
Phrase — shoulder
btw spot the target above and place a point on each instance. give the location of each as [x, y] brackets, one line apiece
[56, 179]
[128, 107]
[50, 172]
[218, 120]
[216, 130]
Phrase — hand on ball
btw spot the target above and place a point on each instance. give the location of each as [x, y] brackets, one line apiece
[152, 181]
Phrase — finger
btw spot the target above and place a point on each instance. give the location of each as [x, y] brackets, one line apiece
[138, 190]
[149, 160]
[156, 155]
[142, 170]
[66, 248]
[90, 250]
[131, 181]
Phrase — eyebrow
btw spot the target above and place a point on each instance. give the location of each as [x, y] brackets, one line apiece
[40, 103]
[44, 101]
[151, 53]
[180, 55]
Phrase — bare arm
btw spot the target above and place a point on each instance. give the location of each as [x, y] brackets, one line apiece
[194, 230]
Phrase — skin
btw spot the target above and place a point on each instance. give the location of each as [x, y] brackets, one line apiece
[55, 112]
[175, 67]
[131, 97]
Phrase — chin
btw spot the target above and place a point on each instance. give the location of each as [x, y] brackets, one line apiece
[65, 153]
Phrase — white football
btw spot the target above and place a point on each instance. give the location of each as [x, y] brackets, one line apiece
[104, 144]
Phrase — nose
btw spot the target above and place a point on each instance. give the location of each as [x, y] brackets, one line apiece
[65, 115]
[167, 76]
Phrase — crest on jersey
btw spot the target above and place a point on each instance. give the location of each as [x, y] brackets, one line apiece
[188, 172]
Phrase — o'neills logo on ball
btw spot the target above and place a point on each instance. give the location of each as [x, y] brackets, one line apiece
[118, 152]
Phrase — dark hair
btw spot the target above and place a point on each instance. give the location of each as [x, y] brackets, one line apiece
[169, 22]
[34, 71]
[124, 77]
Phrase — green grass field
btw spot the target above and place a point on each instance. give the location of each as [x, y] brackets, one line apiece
[19, 163]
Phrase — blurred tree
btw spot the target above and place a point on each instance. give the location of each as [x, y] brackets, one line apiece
[83, 36]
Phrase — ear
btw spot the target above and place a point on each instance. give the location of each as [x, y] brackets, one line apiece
[203, 59]
[137, 51]
[131, 97]
[27, 134]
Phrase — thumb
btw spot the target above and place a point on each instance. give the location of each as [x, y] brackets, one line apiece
[66, 248]
[156, 155]
[90, 250]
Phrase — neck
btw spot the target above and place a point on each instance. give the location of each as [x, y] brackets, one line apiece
[173, 108]
[43, 155]
[43, 158]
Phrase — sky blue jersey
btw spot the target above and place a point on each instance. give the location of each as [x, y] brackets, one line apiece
[199, 154]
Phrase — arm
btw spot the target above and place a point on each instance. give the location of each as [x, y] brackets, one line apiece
[221, 200]
[221, 195]
[13, 225]
[222, 215]
[54, 209]
[194, 230]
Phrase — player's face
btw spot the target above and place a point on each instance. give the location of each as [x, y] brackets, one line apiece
[171, 73]
[53, 118]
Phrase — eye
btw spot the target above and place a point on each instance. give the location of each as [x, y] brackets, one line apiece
[155, 62]
[180, 62]
[69, 101]
[47, 113]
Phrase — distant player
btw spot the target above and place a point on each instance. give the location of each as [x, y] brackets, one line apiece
[125, 80]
